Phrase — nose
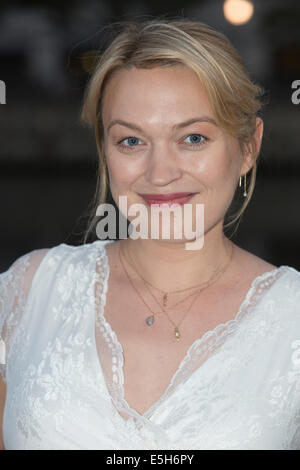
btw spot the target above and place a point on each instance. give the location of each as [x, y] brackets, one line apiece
[162, 166]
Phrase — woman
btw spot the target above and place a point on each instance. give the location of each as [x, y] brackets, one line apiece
[141, 343]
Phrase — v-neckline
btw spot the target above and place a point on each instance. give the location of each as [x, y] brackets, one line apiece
[217, 332]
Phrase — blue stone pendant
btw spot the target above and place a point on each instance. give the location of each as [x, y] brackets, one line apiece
[150, 320]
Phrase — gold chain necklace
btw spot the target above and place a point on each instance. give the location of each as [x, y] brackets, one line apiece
[170, 292]
[166, 294]
[150, 319]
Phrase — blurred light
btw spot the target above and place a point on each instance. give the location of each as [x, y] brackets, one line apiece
[238, 11]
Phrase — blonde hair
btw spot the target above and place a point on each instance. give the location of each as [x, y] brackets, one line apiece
[234, 98]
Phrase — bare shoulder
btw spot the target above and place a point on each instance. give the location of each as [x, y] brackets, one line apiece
[248, 266]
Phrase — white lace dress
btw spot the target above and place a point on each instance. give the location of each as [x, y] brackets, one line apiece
[238, 387]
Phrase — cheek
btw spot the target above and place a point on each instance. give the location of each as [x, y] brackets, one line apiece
[221, 169]
[122, 172]
[212, 173]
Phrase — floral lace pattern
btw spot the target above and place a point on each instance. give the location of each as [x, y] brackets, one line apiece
[238, 386]
[11, 305]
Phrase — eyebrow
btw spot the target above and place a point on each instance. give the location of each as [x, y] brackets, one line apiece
[175, 127]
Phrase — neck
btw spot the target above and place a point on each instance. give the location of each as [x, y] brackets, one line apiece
[169, 266]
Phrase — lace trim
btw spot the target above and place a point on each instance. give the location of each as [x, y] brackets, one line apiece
[102, 275]
[203, 345]
[115, 389]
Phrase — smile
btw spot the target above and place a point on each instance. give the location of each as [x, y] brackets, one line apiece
[167, 199]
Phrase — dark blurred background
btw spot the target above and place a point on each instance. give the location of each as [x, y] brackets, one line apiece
[48, 158]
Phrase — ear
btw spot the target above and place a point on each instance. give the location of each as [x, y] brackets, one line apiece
[251, 154]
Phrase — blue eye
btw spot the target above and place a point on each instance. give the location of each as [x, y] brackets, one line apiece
[194, 139]
[196, 143]
[134, 139]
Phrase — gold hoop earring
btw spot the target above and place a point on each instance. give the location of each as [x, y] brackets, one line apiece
[245, 184]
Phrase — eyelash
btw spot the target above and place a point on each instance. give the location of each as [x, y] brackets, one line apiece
[125, 147]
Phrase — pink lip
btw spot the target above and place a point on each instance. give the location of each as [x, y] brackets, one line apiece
[168, 199]
[165, 197]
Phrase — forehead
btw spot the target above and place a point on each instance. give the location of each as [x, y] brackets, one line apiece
[154, 92]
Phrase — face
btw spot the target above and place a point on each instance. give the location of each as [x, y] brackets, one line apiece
[155, 151]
